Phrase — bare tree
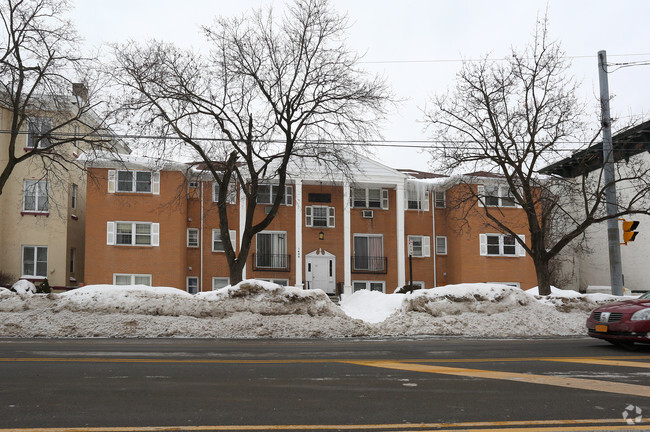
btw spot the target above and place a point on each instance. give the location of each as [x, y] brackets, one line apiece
[514, 118]
[268, 93]
[48, 109]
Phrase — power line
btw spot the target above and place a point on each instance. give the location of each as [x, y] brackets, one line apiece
[485, 59]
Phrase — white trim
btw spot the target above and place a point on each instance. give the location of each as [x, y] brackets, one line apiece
[187, 284]
[22, 261]
[436, 245]
[401, 253]
[134, 182]
[483, 243]
[154, 233]
[132, 276]
[193, 230]
[425, 242]
[368, 282]
[298, 232]
[233, 239]
[220, 278]
[330, 218]
[347, 241]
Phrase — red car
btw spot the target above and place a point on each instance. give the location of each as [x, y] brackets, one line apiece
[622, 322]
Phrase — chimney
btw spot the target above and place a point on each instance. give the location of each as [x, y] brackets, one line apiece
[80, 91]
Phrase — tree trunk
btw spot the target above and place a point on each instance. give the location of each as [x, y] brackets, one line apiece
[235, 270]
[543, 277]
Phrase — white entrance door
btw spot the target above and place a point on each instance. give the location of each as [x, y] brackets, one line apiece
[321, 271]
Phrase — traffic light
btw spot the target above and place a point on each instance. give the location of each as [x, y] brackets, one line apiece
[629, 233]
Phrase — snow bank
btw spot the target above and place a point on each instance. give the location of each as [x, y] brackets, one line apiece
[254, 309]
[371, 306]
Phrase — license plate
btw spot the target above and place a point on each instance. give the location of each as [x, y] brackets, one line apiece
[601, 328]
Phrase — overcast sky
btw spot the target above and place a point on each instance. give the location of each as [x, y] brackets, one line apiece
[418, 45]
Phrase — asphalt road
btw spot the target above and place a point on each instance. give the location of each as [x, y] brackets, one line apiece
[346, 384]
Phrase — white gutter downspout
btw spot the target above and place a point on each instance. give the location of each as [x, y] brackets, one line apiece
[434, 249]
[201, 237]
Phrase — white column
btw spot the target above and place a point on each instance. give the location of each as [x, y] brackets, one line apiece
[298, 205]
[401, 256]
[347, 236]
[242, 223]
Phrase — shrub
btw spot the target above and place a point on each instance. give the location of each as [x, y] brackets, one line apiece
[6, 279]
[44, 287]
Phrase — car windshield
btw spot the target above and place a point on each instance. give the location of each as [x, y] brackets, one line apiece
[645, 296]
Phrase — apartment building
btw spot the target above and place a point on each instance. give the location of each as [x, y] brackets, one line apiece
[160, 226]
[43, 205]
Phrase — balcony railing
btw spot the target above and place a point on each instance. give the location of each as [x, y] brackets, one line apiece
[272, 262]
[369, 264]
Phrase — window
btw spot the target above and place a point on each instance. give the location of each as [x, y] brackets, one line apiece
[501, 245]
[368, 285]
[440, 199]
[369, 198]
[34, 261]
[281, 282]
[421, 245]
[37, 132]
[220, 282]
[418, 284]
[73, 253]
[192, 283]
[441, 245]
[266, 194]
[271, 250]
[35, 196]
[131, 279]
[193, 237]
[417, 198]
[369, 253]
[74, 197]
[231, 194]
[193, 189]
[217, 243]
[134, 181]
[132, 233]
[319, 197]
[319, 216]
[495, 196]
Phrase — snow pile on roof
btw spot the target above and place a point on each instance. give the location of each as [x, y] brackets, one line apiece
[261, 309]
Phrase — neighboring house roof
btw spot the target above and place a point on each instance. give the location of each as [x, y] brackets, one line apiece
[626, 144]
[421, 174]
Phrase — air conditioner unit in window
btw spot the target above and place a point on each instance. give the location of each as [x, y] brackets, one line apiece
[368, 214]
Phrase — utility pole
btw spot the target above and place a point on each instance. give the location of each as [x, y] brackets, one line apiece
[613, 242]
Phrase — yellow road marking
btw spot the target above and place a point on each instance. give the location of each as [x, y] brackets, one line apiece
[580, 383]
[600, 361]
[547, 425]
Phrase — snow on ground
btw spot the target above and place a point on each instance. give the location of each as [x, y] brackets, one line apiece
[255, 309]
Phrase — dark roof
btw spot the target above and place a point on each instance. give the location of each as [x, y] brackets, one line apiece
[421, 174]
[485, 174]
[626, 144]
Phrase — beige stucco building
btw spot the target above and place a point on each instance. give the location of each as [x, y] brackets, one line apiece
[42, 205]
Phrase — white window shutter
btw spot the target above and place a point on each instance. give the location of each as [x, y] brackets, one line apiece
[155, 234]
[384, 199]
[215, 191]
[483, 243]
[112, 175]
[155, 182]
[110, 233]
[233, 239]
[308, 217]
[231, 197]
[522, 251]
[426, 246]
[288, 195]
[481, 195]
[425, 202]
[330, 217]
